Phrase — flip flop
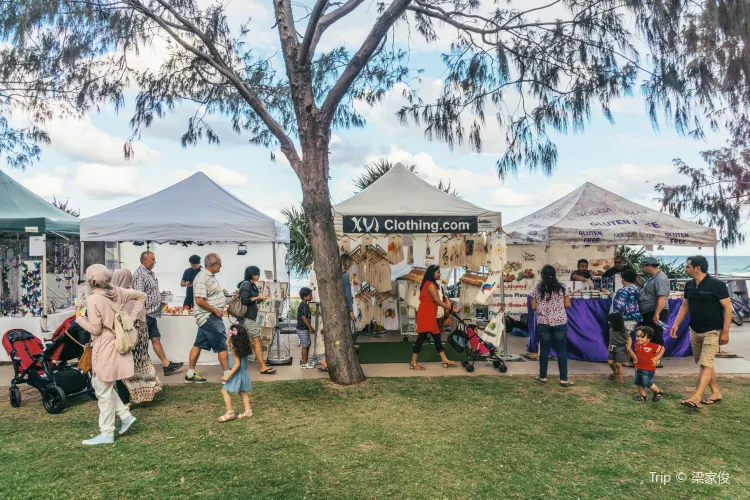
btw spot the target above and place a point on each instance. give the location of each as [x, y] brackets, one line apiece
[323, 368]
[691, 405]
[268, 371]
[540, 380]
[641, 399]
[709, 401]
[567, 384]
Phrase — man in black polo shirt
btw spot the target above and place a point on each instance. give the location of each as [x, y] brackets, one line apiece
[707, 300]
[618, 268]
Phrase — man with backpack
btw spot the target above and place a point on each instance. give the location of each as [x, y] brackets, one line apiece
[209, 316]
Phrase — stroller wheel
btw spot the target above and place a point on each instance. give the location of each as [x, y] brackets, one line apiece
[496, 364]
[53, 399]
[15, 397]
[406, 339]
[503, 369]
[464, 363]
[470, 368]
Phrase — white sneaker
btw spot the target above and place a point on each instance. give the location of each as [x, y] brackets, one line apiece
[309, 365]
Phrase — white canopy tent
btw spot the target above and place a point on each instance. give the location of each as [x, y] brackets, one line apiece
[401, 202]
[593, 215]
[196, 209]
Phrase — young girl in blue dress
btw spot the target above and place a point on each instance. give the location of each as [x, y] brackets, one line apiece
[238, 378]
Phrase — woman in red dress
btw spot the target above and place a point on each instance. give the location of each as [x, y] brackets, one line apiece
[427, 323]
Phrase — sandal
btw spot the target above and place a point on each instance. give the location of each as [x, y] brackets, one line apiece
[612, 378]
[657, 396]
[226, 417]
[323, 368]
[709, 401]
[640, 398]
[691, 404]
[540, 380]
[567, 384]
[246, 414]
[416, 366]
[268, 371]
[450, 364]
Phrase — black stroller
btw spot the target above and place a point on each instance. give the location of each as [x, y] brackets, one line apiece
[466, 339]
[47, 368]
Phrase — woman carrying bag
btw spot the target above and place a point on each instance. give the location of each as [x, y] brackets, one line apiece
[108, 364]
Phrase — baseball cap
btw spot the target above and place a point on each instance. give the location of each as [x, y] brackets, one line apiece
[649, 261]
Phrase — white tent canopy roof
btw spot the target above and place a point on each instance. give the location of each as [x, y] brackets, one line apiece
[401, 192]
[591, 215]
[195, 209]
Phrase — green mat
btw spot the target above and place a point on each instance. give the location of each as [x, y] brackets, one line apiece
[371, 353]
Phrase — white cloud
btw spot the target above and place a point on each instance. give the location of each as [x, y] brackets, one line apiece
[635, 182]
[464, 180]
[62, 172]
[343, 189]
[223, 176]
[102, 181]
[45, 185]
[82, 141]
[553, 192]
[506, 197]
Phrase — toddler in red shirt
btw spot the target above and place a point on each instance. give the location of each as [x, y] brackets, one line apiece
[648, 355]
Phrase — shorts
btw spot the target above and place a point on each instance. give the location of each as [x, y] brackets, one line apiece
[253, 330]
[618, 355]
[212, 336]
[304, 338]
[153, 328]
[630, 326]
[644, 378]
[705, 346]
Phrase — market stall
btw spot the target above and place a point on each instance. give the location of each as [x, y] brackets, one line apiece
[396, 228]
[38, 260]
[593, 221]
[195, 216]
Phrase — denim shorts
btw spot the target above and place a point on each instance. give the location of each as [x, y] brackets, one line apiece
[153, 328]
[644, 378]
[212, 336]
[304, 338]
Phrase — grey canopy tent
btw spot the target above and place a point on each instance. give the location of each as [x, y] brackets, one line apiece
[401, 202]
[195, 209]
[23, 211]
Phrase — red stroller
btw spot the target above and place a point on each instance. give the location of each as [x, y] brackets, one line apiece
[47, 369]
[466, 339]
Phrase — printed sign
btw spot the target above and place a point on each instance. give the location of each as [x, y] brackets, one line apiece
[36, 246]
[414, 224]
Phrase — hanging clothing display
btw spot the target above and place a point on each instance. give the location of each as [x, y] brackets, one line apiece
[458, 255]
[410, 256]
[31, 287]
[445, 257]
[395, 249]
[485, 293]
[345, 246]
[499, 252]
[488, 251]
[390, 313]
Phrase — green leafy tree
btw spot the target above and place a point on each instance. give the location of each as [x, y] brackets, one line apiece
[532, 68]
[65, 207]
[714, 52]
[300, 253]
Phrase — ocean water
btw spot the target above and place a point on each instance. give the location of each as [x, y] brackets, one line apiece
[728, 264]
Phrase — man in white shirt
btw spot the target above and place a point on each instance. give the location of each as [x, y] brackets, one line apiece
[209, 316]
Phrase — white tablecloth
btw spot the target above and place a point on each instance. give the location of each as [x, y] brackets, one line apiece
[56, 319]
[32, 325]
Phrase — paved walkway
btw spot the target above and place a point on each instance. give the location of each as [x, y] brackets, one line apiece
[739, 344]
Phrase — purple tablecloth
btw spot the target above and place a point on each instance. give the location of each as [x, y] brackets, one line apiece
[588, 333]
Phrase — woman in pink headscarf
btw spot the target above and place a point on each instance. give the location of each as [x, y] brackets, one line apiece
[108, 365]
[144, 384]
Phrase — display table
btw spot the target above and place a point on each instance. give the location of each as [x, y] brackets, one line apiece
[31, 324]
[56, 319]
[588, 332]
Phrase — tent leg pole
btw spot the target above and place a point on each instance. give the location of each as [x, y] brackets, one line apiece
[716, 264]
[502, 301]
[44, 285]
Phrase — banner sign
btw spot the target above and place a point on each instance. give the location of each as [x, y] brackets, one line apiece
[408, 224]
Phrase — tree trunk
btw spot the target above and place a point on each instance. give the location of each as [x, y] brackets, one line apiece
[343, 364]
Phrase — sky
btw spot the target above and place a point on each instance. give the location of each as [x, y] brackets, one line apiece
[84, 163]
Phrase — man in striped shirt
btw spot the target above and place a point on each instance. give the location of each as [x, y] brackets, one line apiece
[145, 281]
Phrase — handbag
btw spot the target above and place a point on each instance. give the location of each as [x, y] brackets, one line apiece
[235, 307]
[84, 362]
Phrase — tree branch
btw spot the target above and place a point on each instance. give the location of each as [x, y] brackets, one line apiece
[312, 25]
[361, 58]
[327, 20]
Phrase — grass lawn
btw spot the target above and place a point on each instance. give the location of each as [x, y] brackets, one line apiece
[457, 437]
